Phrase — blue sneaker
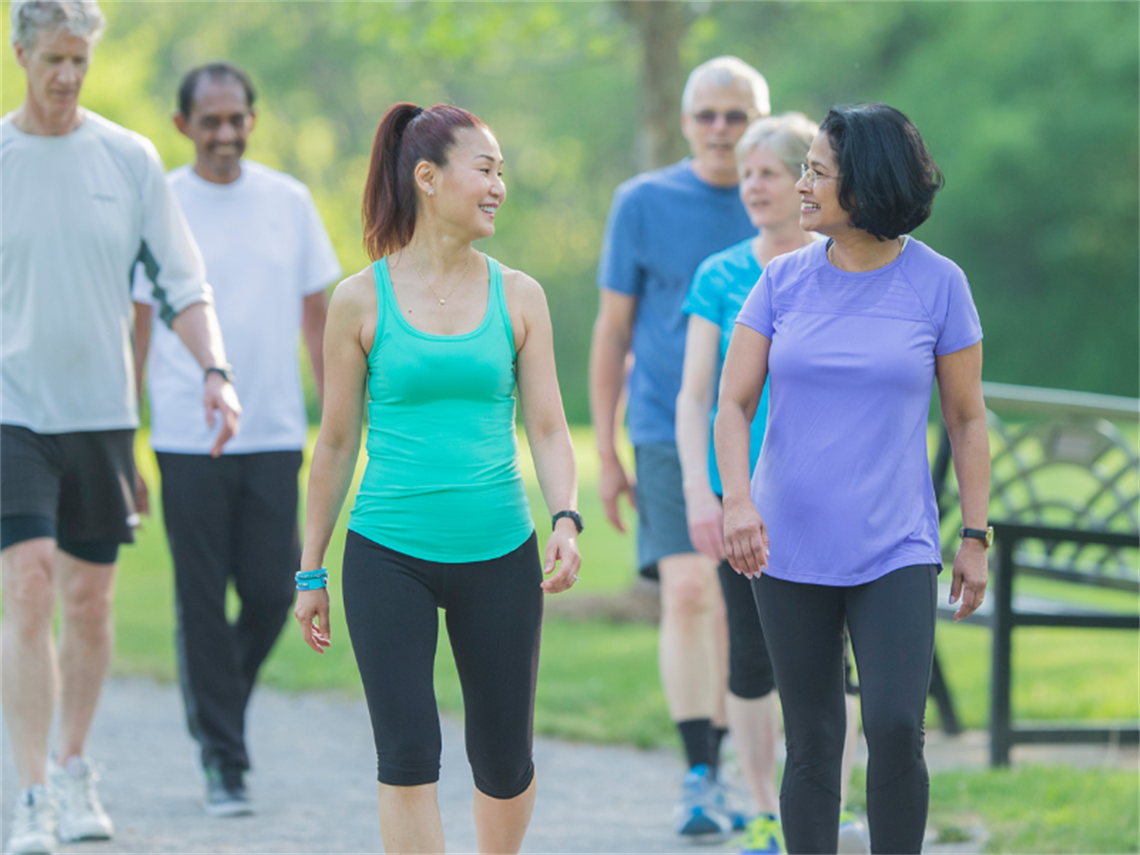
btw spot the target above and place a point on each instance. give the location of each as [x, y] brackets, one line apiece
[763, 836]
[854, 839]
[698, 813]
[730, 805]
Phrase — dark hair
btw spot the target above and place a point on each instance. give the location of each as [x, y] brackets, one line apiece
[215, 71]
[406, 135]
[887, 178]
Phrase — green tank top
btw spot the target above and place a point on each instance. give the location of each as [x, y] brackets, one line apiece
[442, 481]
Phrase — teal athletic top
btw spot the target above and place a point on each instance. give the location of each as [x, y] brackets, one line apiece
[443, 481]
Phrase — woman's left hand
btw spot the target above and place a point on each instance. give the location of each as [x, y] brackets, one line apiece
[971, 575]
[562, 551]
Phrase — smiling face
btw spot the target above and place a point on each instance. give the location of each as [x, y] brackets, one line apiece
[470, 189]
[820, 210]
[219, 125]
[768, 189]
[716, 122]
[56, 66]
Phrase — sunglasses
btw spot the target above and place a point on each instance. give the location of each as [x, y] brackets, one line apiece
[732, 117]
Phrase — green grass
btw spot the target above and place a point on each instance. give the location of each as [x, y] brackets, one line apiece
[1033, 808]
[1040, 808]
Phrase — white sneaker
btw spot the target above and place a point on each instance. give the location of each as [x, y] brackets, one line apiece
[33, 825]
[81, 814]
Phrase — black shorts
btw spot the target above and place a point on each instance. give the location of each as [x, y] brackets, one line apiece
[78, 488]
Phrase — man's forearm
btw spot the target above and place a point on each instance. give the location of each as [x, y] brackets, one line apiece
[607, 380]
[197, 326]
[313, 316]
[143, 314]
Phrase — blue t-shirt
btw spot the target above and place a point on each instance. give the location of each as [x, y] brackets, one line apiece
[661, 226]
[719, 288]
[843, 481]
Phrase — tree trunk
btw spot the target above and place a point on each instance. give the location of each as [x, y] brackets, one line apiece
[660, 26]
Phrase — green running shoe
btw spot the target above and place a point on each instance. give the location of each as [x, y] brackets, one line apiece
[762, 836]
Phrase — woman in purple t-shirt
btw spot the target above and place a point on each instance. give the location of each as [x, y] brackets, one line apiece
[840, 524]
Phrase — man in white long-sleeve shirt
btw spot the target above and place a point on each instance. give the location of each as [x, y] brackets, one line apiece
[84, 200]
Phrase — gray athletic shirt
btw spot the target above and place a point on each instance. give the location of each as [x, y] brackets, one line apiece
[78, 211]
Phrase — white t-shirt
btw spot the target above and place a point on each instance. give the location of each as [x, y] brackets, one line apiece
[79, 211]
[265, 250]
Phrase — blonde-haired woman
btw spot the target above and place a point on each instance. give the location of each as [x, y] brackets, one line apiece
[768, 157]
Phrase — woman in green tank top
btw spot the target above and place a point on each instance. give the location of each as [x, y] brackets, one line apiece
[439, 340]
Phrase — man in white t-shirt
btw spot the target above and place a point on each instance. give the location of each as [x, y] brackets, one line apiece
[234, 517]
[83, 200]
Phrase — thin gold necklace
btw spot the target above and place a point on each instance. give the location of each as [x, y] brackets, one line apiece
[442, 300]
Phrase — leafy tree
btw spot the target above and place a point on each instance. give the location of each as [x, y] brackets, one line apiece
[1030, 109]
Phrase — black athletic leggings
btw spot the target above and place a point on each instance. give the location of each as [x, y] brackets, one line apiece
[891, 624]
[749, 665]
[494, 616]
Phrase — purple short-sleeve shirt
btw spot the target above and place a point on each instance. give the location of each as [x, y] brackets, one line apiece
[843, 482]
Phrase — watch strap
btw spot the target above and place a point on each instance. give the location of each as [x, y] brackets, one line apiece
[226, 371]
[985, 535]
[573, 515]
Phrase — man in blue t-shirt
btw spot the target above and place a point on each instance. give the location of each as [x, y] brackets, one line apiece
[662, 225]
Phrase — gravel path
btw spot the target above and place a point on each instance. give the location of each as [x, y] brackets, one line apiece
[314, 789]
[314, 783]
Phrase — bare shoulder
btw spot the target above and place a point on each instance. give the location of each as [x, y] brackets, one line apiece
[522, 290]
[356, 292]
[352, 309]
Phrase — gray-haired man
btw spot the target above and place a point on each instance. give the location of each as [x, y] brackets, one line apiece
[84, 199]
[662, 225]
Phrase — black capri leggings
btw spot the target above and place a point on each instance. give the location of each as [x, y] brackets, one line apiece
[494, 617]
[891, 623]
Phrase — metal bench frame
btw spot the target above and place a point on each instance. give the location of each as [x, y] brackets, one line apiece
[1080, 420]
[1003, 733]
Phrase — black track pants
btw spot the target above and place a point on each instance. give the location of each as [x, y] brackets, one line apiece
[494, 616]
[891, 624]
[231, 517]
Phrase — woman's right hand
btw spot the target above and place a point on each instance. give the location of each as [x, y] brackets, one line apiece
[745, 538]
[706, 522]
[312, 612]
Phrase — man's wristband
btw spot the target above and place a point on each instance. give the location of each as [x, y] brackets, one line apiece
[311, 580]
[226, 372]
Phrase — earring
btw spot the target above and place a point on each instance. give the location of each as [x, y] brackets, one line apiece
[431, 191]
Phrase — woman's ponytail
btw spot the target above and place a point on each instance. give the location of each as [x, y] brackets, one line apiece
[389, 210]
[406, 135]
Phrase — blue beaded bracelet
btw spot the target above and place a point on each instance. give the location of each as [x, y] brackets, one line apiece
[311, 580]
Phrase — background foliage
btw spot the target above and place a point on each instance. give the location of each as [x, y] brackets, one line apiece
[1030, 109]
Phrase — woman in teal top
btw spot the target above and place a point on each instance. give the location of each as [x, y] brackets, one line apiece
[441, 338]
[768, 158]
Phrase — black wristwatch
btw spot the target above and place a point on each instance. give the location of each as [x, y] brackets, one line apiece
[227, 372]
[985, 535]
[574, 515]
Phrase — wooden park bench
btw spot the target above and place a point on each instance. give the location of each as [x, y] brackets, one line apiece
[1064, 504]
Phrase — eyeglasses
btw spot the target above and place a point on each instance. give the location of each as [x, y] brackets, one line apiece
[810, 176]
[732, 117]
